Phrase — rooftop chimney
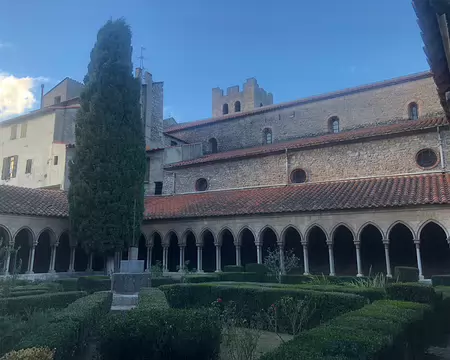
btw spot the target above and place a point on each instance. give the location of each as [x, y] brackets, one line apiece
[42, 96]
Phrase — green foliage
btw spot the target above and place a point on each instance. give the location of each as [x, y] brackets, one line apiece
[92, 284]
[251, 299]
[68, 330]
[68, 284]
[201, 278]
[159, 281]
[36, 353]
[371, 294]
[160, 334]
[21, 304]
[243, 277]
[151, 298]
[411, 292]
[256, 268]
[382, 330]
[26, 293]
[295, 279]
[107, 175]
[406, 274]
[233, 268]
[440, 280]
[377, 281]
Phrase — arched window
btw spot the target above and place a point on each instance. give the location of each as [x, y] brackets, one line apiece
[212, 145]
[225, 109]
[334, 124]
[267, 136]
[413, 111]
[298, 176]
[237, 106]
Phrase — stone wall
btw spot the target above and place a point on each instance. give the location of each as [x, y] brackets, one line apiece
[362, 108]
[376, 157]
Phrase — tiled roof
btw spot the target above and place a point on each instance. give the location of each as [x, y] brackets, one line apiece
[362, 133]
[307, 100]
[312, 197]
[37, 202]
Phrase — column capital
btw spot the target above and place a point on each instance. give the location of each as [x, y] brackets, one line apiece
[199, 245]
[329, 243]
[304, 243]
[416, 241]
[385, 242]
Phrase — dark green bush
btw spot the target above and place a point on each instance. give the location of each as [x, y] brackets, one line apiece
[382, 330]
[233, 268]
[68, 284]
[68, 330]
[295, 279]
[251, 299]
[158, 281]
[242, 277]
[440, 280]
[371, 294]
[411, 292]
[256, 268]
[27, 293]
[92, 284]
[19, 305]
[160, 334]
[201, 278]
[406, 274]
[151, 298]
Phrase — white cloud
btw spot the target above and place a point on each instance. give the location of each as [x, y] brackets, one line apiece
[4, 44]
[16, 95]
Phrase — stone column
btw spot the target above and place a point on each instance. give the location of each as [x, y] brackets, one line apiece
[331, 258]
[52, 259]
[238, 255]
[164, 258]
[305, 258]
[90, 262]
[259, 253]
[283, 270]
[358, 259]
[31, 259]
[72, 260]
[8, 260]
[149, 258]
[118, 256]
[419, 258]
[218, 259]
[199, 258]
[387, 258]
[182, 247]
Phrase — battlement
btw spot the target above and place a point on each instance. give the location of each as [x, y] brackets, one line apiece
[235, 100]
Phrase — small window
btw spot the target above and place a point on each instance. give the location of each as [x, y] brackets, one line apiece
[13, 132]
[334, 124]
[201, 184]
[55, 160]
[225, 109]
[212, 145]
[158, 187]
[426, 158]
[57, 100]
[413, 111]
[173, 143]
[23, 130]
[28, 166]
[147, 170]
[237, 106]
[298, 176]
[267, 136]
[9, 169]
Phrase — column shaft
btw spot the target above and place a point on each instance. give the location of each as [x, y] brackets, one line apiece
[199, 259]
[31, 259]
[72, 260]
[238, 255]
[52, 260]
[259, 253]
[358, 260]
[387, 259]
[331, 259]
[305, 258]
[218, 260]
[419, 259]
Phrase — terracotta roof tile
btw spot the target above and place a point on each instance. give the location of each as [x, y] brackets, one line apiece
[38, 202]
[310, 197]
[362, 133]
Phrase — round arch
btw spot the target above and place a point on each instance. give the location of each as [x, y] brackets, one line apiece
[292, 241]
[312, 227]
[23, 240]
[344, 251]
[5, 241]
[402, 251]
[400, 222]
[226, 239]
[288, 228]
[247, 240]
[190, 252]
[434, 249]
[438, 223]
[62, 261]
[373, 260]
[368, 223]
[173, 251]
[155, 241]
[221, 233]
[208, 241]
[269, 239]
[316, 238]
[142, 248]
[337, 226]
[45, 240]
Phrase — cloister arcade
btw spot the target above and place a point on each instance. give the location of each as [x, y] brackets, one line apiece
[324, 243]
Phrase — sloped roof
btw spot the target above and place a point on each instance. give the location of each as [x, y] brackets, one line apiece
[309, 197]
[345, 136]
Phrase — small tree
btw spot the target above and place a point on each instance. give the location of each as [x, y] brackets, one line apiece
[273, 262]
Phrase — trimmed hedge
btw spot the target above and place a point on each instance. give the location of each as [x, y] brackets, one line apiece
[233, 268]
[371, 294]
[242, 277]
[256, 268]
[440, 280]
[201, 278]
[151, 298]
[68, 330]
[92, 284]
[411, 292]
[27, 293]
[19, 305]
[68, 284]
[406, 274]
[382, 330]
[160, 334]
[251, 299]
[159, 281]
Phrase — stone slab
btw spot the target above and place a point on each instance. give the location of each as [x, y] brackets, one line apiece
[129, 283]
[132, 266]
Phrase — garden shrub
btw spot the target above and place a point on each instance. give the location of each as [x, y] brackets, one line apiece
[371, 294]
[68, 330]
[26, 293]
[295, 279]
[382, 330]
[92, 284]
[242, 276]
[406, 274]
[68, 284]
[411, 292]
[21, 304]
[201, 278]
[440, 280]
[151, 298]
[36, 353]
[160, 334]
[233, 268]
[251, 299]
[159, 281]
[256, 268]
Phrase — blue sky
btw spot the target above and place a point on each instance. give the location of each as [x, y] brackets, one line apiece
[295, 48]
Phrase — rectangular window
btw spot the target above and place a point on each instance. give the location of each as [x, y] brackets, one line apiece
[158, 187]
[55, 160]
[57, 100]
[173, 143]
[13, 132]
[147, 170]
[23, 130]
[9, 169]
[28, 167]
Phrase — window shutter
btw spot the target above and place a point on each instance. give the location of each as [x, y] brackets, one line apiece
[23, 130]
[5, 168]
[14, 170]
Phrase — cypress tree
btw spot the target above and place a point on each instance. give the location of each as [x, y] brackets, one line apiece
[106, 196]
